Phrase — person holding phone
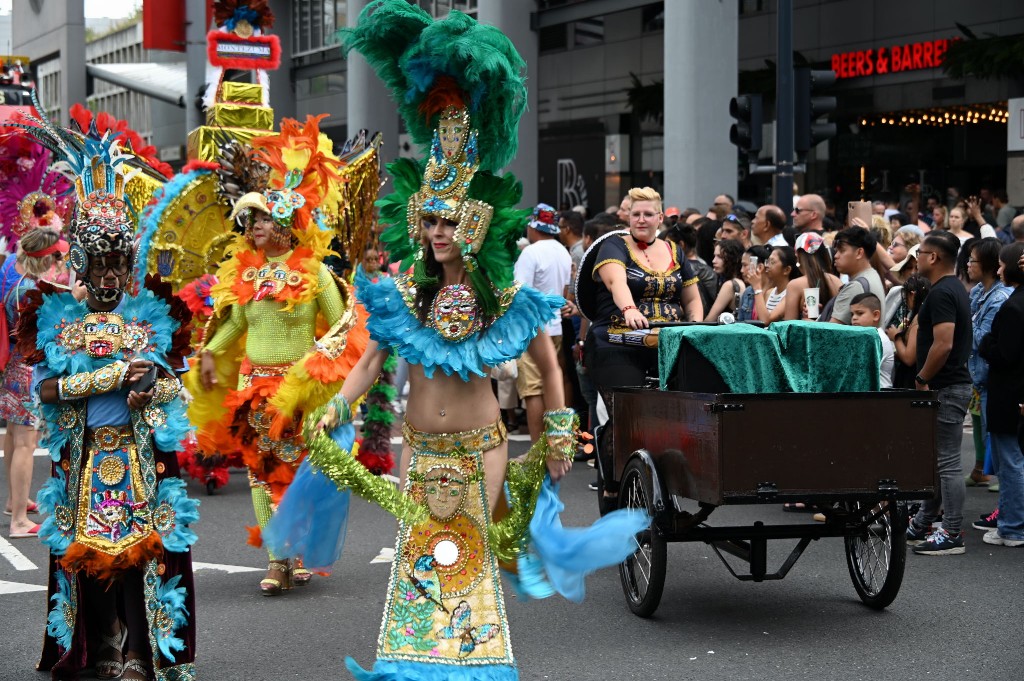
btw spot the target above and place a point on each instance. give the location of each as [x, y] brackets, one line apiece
[120, 588]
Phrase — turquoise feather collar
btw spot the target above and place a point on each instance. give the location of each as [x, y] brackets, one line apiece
[394, 325]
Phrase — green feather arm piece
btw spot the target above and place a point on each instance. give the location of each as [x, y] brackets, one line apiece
[509, 536]
[326, 457]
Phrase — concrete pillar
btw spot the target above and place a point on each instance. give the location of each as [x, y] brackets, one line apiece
[514, 21]
[369, 102]
[38, 29]
[282, 86]
[701, 63]
[195, 61]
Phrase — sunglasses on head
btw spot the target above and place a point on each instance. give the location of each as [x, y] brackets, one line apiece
[732, 218]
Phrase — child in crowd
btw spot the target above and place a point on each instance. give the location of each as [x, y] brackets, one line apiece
[866, 310]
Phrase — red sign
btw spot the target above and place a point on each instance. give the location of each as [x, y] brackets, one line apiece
[229, 51]
[163, 24]
[909, 57]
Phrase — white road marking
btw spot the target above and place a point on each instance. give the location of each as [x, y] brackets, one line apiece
[14, 556]
[37, 452]
[386, 555]
[18, 588]
[230, 569]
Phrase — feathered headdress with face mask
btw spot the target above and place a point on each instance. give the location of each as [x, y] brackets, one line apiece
[105, 218]
[461, 91]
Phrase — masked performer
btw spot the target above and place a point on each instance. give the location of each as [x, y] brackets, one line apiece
[120, 583]
[458, 314]
[275, 289]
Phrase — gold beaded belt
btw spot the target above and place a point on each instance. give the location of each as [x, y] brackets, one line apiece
[110, 438]
[264, 370]
[479, 440]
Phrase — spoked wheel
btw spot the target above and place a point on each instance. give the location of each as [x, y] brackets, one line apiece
[877, 555]
[642, 573]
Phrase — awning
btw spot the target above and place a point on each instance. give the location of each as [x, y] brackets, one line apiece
[166, 82]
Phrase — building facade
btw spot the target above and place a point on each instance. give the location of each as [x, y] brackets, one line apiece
[634, 92]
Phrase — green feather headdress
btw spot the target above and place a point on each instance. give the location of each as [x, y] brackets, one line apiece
[460, 89]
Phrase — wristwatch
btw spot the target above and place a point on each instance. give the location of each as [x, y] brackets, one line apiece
[920, 379]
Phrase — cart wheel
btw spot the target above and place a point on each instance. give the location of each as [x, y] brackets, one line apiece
[643, 573]
[877, 556]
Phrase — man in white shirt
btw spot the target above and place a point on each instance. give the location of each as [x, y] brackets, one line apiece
[768, 223]
[545, 265]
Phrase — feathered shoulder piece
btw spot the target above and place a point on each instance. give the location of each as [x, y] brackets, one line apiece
[430, 65]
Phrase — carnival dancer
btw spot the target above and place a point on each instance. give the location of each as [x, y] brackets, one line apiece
[458, 314]
[273, 290]
[120, 571]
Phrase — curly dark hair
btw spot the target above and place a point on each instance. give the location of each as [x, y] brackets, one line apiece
[731, 252]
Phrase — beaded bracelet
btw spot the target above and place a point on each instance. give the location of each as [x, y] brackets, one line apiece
[628, 307]
[560, 428]
[342, 410]
[86, 384]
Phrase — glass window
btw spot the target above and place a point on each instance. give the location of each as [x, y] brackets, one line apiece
[553, 38]
[653, 18]
[588, 32]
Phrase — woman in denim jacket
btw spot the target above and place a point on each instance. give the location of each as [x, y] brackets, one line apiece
[987, 296]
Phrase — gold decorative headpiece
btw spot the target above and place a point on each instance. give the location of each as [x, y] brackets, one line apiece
[453, 161]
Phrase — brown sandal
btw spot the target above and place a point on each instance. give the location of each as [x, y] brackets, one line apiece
[300, 575]
[139, 670]
[271, 586]
[107, 665]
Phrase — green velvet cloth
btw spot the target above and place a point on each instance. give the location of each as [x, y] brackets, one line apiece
[747, 356]
[829, 358]
[785, 357]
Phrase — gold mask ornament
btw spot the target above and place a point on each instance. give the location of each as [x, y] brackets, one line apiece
[453, 162]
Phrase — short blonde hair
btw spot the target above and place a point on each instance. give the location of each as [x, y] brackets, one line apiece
[644, 194]
[36, 240]
[881, 231]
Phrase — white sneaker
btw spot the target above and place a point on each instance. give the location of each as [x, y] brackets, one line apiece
[992, 537]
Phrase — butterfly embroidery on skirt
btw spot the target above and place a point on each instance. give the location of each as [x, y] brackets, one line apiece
[462, 628]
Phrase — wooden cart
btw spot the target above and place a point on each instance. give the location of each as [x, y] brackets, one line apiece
[842, 452]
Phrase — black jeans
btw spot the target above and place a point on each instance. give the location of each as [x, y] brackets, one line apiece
[610, 368]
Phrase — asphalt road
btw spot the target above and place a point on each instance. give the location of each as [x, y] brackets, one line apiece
[956, 617]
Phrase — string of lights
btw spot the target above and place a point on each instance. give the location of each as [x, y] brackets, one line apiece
[942, 116]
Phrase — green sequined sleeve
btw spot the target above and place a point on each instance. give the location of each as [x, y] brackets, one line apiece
[228, 331]
[327, 458]
[523, 480]
[328, 297]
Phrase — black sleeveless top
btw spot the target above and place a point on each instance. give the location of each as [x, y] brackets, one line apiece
[657, 294]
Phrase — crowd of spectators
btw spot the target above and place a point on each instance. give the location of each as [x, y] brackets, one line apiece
[933, 286]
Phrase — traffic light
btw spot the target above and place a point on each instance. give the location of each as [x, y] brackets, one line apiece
[808, 108]
[746, 131]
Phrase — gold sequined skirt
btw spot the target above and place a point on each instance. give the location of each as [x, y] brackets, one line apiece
[445, 603]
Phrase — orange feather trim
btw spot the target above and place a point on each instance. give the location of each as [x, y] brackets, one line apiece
[106, 567]
[302, 260]
[255, 536]
[443, 93]
[315, 379]
[241, 437]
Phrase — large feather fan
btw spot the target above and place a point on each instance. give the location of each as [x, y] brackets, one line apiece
[239, 171]
[25, 168]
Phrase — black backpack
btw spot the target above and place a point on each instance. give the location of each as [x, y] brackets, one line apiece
[826, 312]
